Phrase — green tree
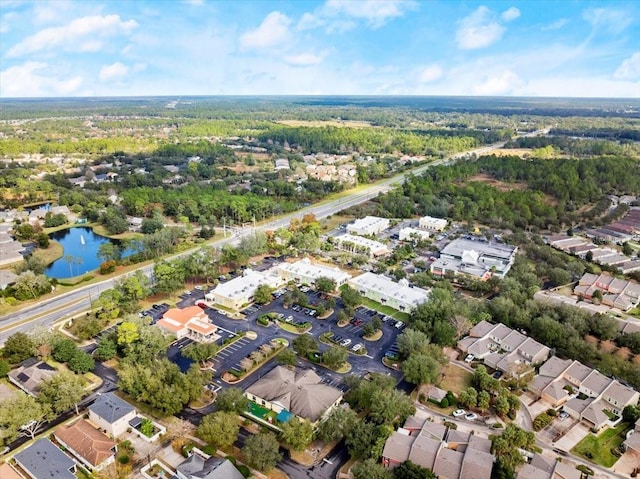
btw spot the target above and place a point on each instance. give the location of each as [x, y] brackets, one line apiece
[29, 285]
[421, 369]
[370, 469]
[287, 357]
[409, 470]
[200, 352]
[262, 451]
[350, 297]
[325, 285]
[62, 392]
[337, 425]
[64, 349]
[42, 240]
[468, 398]
[412, 341]
[390, 407]
[297, 434]
[106, 350]
[304, 344]
[18, 347]
[335, 357]
[21, 414]
[484, 400]
[506, 445]
[5, 367]
[232, 400]
[127, 333]
[501, 405]
[263, 294]
[168, 276]
[153, 224]
[81, 362]
[219, 429]
[109, 252]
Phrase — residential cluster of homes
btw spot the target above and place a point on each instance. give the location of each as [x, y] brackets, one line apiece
[625, 229]
[90, 443]
[542, 467]
[503, 348]
[239, 292]
[449, 453]
[615, 292]
[473, 258]
[584, 393]
[607, 256]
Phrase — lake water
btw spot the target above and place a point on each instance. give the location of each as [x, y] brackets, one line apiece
[82, 244]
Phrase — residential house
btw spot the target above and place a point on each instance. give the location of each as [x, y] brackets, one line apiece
[306, 272]
[294, 391]
[430, 223]
[397, 295]
[11, 251]
[7, 471]
[282, 164]
[31, 374]
[191, 322]
[369, 225]
[360, 245]
[615, 292]
[111, 414]
[632, 442]
[542, 467]
[238, 292]
[87, 444]
[476, 259]
[7, 278]
[202, 466]
[504, 349]
[450, 454]
[135, 223]
[43, 460]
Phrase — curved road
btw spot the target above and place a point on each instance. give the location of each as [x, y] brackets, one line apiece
[79, 300]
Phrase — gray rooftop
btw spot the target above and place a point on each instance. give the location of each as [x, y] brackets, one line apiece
[197, 467]
[493, 250]
[43, 460]
[110, 407]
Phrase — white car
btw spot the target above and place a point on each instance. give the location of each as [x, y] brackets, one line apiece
[471, 417]
[459, 412]
[289, 319]
[399, 325]
[357, 348]
[346, 342]
[469, 358]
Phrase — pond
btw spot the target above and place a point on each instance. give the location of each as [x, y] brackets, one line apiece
[80, 252]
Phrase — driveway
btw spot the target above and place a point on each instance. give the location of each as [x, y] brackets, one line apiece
[573, 436]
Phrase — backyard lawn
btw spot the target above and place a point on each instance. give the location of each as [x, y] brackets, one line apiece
[598, 448]
[455, 379]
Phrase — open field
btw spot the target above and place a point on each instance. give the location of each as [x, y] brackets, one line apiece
[320, 123]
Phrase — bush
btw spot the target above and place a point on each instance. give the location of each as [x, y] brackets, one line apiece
[444, 402]
[124, 459]
[542, 421]
[263, 320]
[552, 412]
[108, 267]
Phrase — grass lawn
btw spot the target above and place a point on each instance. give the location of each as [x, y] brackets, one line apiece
[455, 379]
[371, 304]
[50, 254]
[598, 449]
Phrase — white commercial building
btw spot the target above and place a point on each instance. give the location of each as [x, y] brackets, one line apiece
[410, 234]
[360, 245]
[369, 225]
[432, 224]
[384, 290]
[305, 272]
[239, 291]
[478, 259]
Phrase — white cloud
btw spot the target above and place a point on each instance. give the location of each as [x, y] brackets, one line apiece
[29, 80]
[608, 20]
[304, 59]
[478, 30]
[629, 69]
[555, 25]
[503, 83]
[272, 32]
[510, 14]
[342, 15]
[69, 36]
[113, 71]
[430, 74]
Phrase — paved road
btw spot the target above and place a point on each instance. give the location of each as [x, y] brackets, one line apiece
[51, 310]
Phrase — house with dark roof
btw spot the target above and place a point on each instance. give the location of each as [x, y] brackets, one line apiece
[542, 467]
[111, 414]
[31, 374]
[87, 444]
[449, 453]
[202, 466]
[297, 391]
[43, 460]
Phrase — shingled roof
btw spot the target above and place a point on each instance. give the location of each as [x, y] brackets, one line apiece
[110, 407]
[299, 391]
[87, 442]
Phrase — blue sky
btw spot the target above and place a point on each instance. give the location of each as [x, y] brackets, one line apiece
[368, 47]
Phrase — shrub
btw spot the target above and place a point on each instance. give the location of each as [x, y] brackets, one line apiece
[542, 421]
[108, 267]
[552, 412]
[444, 402]
[124, 459]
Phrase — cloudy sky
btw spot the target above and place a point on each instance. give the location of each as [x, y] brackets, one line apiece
[372, 47]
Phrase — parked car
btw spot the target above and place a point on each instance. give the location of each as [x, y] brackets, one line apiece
[459, 412]
[399, 325]
[497, 375]
[563, 415]
[289, 319]
[202, 304]
[280, 315]
[187, 293]
[356, 348]
[471, 416]
[346, 342]
[469, 358]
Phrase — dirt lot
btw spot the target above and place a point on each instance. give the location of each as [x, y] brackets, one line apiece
[499, 185]
[338, 123]
[512, 152]
[455, 379]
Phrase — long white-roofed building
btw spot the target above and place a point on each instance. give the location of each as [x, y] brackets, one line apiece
[369, 225]
[306, 272]
[360, 245]
[477, 259]
[384, 290]
[411, 234]
[432, 224]
[239, 291]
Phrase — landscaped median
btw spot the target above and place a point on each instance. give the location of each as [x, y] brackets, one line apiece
[255, 360]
